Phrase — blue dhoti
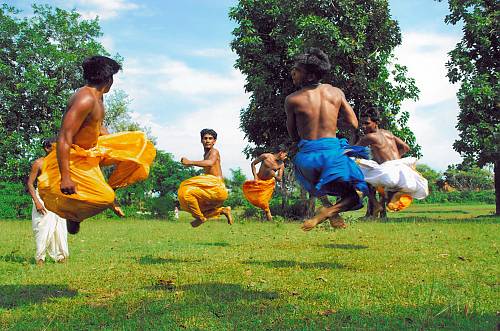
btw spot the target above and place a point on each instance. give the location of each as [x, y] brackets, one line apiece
[323, 167]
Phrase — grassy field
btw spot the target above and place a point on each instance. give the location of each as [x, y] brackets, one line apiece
[431, 267]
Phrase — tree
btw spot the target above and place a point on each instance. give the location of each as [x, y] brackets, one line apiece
[359, 37]
[465, 178]
[474, 63]
[40, 58]
[433, 177]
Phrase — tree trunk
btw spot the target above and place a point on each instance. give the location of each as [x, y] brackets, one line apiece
[311, 206]
[496, 170]
[284, 193]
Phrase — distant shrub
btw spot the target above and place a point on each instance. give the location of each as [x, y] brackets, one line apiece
[15, 202]
[485, 196]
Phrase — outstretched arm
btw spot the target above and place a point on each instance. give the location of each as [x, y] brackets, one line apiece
[72, 122]
[349, 115]
[35, 170]
[291, 125]
[208, 162]
[365, 140]
[403, 147]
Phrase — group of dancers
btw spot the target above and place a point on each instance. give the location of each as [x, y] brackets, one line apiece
[71, 185]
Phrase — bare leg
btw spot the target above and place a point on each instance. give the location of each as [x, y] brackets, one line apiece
[327, 212]
[117, 210]
[226, 211]
[336, 221]
[269, 217]
[196, 223]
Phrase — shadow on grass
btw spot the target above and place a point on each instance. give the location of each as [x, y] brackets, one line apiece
[303, 265]
[12, 296]
[17, 258]
[420, 219]
[345, 246]
[217, 244]
[437, 211]
[149, 259]
[219, 292]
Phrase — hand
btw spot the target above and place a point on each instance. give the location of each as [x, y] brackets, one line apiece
[185, 161]
[68, 186]
[40, 208]
[255, 178]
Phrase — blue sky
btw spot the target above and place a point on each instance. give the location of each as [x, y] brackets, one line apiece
[179, 72]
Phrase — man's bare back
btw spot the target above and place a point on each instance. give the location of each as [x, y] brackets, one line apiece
[270, 167]
[312, 112]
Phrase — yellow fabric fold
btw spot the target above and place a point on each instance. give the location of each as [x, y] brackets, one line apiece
[130, 152]
[259, 192]
[202, 196]
[399, 201]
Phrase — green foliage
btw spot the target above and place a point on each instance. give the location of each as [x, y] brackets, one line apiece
[468, 179]
[483, 197]
[40, 62]
[234, 184]
[15, 203]
[359, 38]
[474, 63]
[433, 177]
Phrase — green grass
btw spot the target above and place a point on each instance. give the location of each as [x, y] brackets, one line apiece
[431, 267]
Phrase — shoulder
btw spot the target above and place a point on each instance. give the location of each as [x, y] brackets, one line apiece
[38, 163]
[370, 137]
[83, 98]
[265, 155]
[388, 133]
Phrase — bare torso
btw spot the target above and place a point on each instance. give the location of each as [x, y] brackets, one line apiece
[312, 112]
[383, 146]
[268, 166]
[215, 169]
[90, 129]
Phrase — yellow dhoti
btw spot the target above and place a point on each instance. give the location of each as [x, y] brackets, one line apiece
[259, 192]
[130, 152]
[202, 196]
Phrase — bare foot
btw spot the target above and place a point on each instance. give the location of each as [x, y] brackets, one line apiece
[311, 223]
[63, 260]
[269, 217]
[40, 262]
[196, 223]
[117, 210]
[226, 211]
[337, 222]
[73, 226]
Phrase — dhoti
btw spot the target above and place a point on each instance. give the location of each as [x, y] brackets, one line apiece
[396, 176]
[202, 196]
[259, 192]
[51, 235]
[131, 153]
[323, 167]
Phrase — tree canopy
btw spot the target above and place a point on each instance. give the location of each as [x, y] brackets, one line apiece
[358, 36]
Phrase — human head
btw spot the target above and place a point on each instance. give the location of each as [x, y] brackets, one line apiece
[281, 151]
[47, 144]
[370, 119]
[99, 70]
[208, 138]
[310, 67]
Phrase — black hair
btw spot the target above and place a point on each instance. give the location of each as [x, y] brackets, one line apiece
[208, 131]
[46, 143]
[99, 69]
[314, 61]
[280, 148]
[373, 113]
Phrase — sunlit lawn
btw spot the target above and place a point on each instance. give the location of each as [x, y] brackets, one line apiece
[431, 267]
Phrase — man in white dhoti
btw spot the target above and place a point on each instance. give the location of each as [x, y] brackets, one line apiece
[393, 176]
[49, 229]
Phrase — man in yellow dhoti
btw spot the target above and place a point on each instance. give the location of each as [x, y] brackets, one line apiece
[203, 195]
[72, 184]
[260, 190]
[51, 235]
[393, 176]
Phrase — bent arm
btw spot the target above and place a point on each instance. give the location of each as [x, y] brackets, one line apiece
[365, 140]
[403, 147]
[209, 162]
[35, 170]
[72, 122]
[279, 176]
[254, 163]
[291, 125]
[349, 115]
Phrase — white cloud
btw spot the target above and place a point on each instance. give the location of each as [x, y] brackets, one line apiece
[425, 55]
[213, 52]
[105, 9]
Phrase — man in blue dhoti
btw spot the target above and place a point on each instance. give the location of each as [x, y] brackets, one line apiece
[322, 165]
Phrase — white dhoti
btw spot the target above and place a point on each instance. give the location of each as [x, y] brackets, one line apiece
[51, 235]
[396, 176]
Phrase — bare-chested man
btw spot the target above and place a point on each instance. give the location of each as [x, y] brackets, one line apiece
[49, 229]
[72, 184]
[388, 170]
[260, 190]
[322, 165]
[203, 195]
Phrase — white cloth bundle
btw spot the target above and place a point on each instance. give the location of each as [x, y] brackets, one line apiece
[51, 234]
[396, 175]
